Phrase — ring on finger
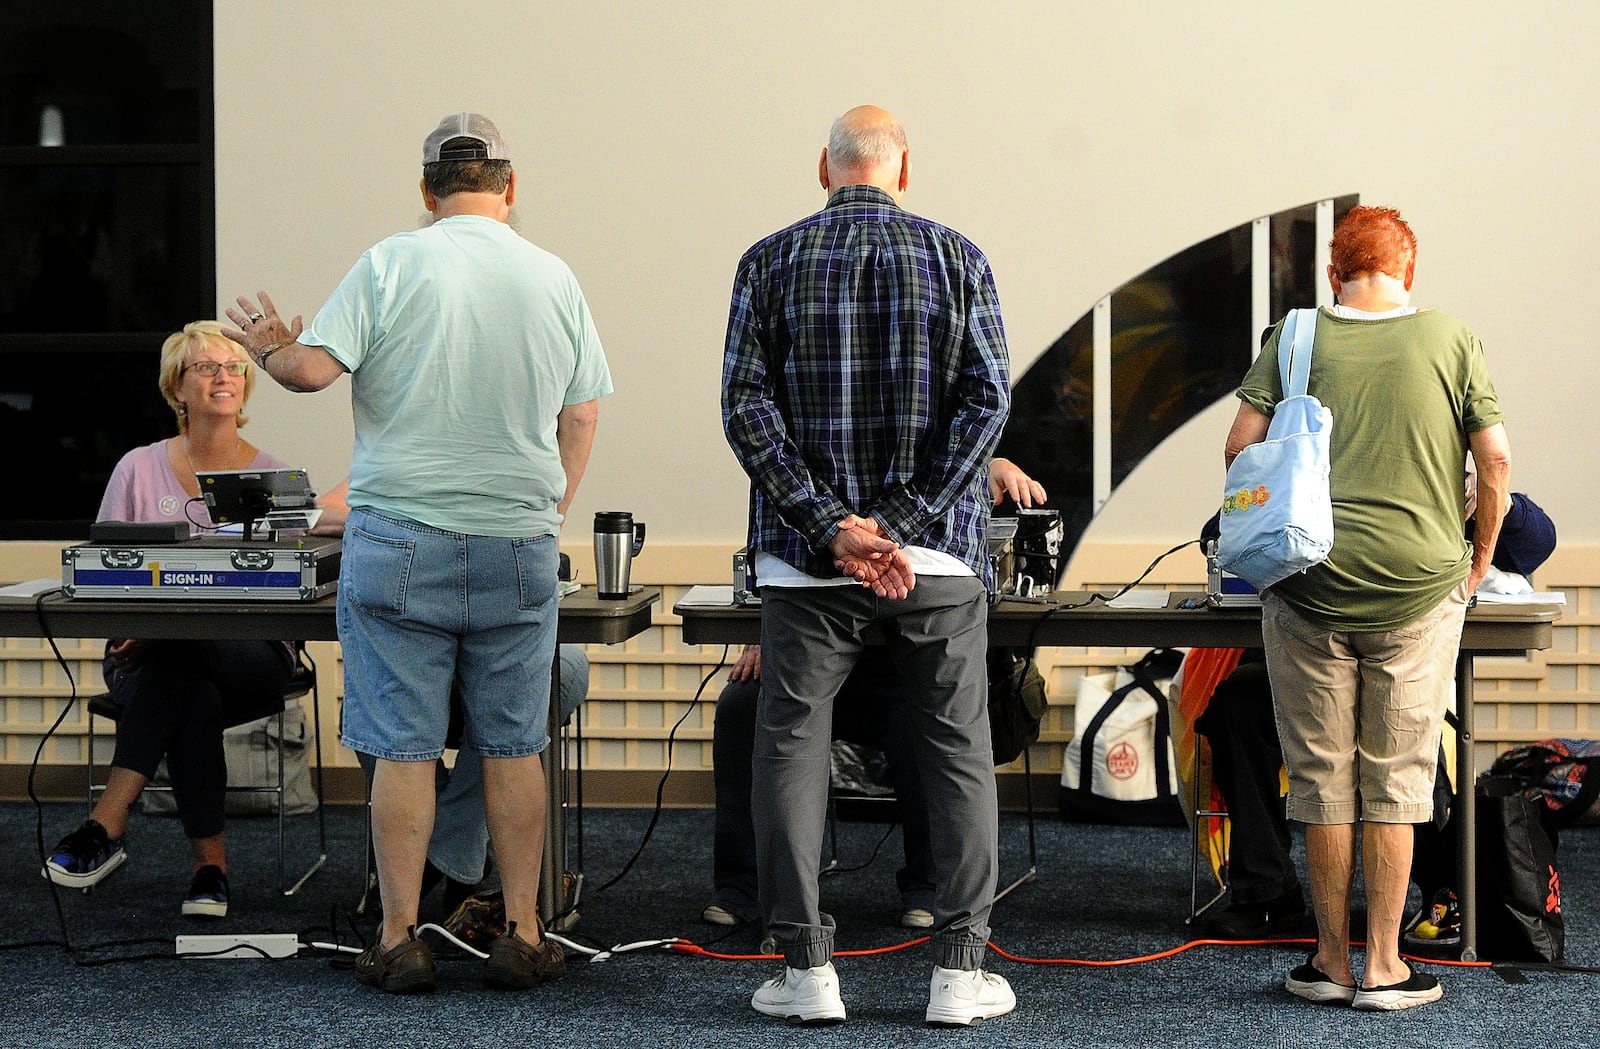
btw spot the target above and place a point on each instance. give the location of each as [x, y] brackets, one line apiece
[254, 317]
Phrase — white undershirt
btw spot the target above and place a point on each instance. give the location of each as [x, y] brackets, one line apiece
[774, 571]
[1350, 313]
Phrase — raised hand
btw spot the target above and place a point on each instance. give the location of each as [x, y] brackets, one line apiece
[261, 328]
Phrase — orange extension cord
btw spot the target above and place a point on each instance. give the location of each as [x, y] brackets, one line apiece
[690, 948]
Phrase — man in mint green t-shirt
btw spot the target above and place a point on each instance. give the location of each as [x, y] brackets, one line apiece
[475, 373]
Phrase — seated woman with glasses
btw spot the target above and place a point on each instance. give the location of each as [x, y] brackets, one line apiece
[177, 696]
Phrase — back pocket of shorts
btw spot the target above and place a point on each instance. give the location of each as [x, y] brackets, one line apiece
[376, 571]
[536, 571]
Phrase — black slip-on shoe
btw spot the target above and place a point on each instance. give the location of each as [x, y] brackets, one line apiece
[1417, 989]
[1308, 982]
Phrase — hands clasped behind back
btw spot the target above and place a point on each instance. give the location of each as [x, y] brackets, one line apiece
[861, 550]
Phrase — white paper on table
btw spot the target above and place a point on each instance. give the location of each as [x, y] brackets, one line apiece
[1141, 599]
[32, 588]
[708, 596]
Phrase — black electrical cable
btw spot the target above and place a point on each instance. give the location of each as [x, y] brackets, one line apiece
[1033, 633]
[65, 942]
[871, 858]
[77, 952]
[661, 786]
[1106, 598]
[206, 525]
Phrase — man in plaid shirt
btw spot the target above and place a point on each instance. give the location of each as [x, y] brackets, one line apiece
[864, 387]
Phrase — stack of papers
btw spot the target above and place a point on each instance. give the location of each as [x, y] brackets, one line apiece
[1538, 597]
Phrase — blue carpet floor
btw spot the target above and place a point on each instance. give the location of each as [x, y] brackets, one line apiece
[1102, 894]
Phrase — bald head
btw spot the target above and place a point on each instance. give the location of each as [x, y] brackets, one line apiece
[866, 146]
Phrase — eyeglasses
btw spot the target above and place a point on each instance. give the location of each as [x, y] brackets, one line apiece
[210, 368]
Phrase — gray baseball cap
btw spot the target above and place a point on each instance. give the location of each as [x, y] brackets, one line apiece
[487, 143]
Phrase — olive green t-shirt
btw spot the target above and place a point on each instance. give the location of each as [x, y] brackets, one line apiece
[1404, 393]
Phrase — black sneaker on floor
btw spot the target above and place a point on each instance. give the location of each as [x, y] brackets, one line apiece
[1284, 916]
[85, 857]
[1417, 989]
[1308, 982]
[208, 894]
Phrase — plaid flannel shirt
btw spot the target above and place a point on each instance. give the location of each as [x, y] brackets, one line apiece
[865, 372]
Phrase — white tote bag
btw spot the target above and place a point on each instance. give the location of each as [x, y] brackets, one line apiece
[1277, 516]
[1119, 767]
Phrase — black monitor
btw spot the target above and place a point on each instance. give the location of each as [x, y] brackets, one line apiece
[278, 498]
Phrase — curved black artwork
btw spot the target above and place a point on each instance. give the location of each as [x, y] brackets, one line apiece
[1180, 339]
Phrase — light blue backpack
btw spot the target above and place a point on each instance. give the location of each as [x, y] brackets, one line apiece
[1277, 517]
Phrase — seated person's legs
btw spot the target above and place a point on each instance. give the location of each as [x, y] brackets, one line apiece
[574, 679]
[870, 710]
[175, 704]
[733, 850]
[867, 711]
[1246, 759]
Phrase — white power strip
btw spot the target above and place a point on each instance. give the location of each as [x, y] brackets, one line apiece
[243, 945]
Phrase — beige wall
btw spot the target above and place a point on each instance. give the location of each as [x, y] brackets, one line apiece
[1078, 143]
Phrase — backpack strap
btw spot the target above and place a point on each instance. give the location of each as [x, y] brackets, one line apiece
[1144, 678]
[1163, 727]
[1299, 331]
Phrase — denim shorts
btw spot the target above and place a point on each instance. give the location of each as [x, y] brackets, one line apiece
[1360, 714]
[420, 608]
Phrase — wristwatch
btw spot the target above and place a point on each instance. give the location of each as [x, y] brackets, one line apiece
[261, 362]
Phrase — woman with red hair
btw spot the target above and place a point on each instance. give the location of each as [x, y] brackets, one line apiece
[1361, 648]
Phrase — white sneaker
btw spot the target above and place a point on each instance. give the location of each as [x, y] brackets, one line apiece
[963, 997]
[802, 996]
[716, 914]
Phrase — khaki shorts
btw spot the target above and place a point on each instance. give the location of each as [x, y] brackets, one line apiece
[1360, 714]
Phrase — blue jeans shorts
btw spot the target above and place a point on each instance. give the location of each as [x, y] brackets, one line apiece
[420, 608]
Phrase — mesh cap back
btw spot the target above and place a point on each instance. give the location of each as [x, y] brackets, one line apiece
[486, 141]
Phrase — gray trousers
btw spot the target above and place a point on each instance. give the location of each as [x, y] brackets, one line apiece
[937, 639]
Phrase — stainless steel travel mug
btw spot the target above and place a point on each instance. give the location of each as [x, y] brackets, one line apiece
[617, 539]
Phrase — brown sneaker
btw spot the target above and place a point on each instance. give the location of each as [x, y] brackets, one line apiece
[515, 964]
[404, 969]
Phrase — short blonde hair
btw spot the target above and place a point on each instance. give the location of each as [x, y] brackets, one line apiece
[175, 353]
